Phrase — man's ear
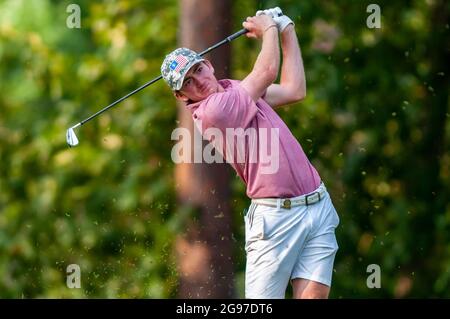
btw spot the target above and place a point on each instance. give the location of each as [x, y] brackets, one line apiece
[180, 96]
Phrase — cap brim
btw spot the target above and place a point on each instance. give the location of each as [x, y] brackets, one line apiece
[190, 65]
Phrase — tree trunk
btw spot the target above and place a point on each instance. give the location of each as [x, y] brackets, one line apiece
[205, 250]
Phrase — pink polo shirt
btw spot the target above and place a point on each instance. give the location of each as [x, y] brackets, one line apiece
[269, 159]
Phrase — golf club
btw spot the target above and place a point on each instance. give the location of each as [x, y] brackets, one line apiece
[71, 137]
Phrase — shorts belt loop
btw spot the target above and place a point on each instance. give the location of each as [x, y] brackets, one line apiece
[278, 203]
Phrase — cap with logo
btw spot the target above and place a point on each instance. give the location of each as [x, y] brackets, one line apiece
[177, 64]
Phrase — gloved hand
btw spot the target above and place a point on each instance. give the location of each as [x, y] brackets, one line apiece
[281, 20]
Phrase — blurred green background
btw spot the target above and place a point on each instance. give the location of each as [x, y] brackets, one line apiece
[375, 124]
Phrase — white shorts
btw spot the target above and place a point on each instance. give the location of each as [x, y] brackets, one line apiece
[284, 244]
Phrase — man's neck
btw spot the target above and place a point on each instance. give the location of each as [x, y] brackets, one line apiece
[220, 88]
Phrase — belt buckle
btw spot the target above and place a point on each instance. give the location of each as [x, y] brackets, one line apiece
[286, 204]
[306, 198]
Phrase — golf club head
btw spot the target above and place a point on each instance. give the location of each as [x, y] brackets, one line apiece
[71, 138]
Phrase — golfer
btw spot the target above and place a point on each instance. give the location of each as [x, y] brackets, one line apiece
[290, 224]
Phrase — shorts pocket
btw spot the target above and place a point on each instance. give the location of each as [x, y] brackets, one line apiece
[254, 228]
[333, 214]
[337, 220]
[248, 216]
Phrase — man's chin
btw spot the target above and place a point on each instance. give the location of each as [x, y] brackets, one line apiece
[205, 95]
[200, 98]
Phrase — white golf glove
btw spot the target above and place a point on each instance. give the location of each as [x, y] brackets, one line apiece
[281, 20]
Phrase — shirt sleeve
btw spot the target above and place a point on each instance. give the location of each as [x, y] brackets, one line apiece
[233, 108]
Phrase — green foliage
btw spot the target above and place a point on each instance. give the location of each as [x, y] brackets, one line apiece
[374, 123]
[106, 205]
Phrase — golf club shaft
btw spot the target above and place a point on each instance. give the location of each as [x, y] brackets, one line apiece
[226, 40]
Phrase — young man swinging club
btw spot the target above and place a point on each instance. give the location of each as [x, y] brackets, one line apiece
[290, 224]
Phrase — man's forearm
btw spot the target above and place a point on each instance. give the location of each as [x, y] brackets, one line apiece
[269, 56]
[292, 70]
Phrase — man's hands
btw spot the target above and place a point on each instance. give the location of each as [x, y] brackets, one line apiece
[258, 25]
[281, 20]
